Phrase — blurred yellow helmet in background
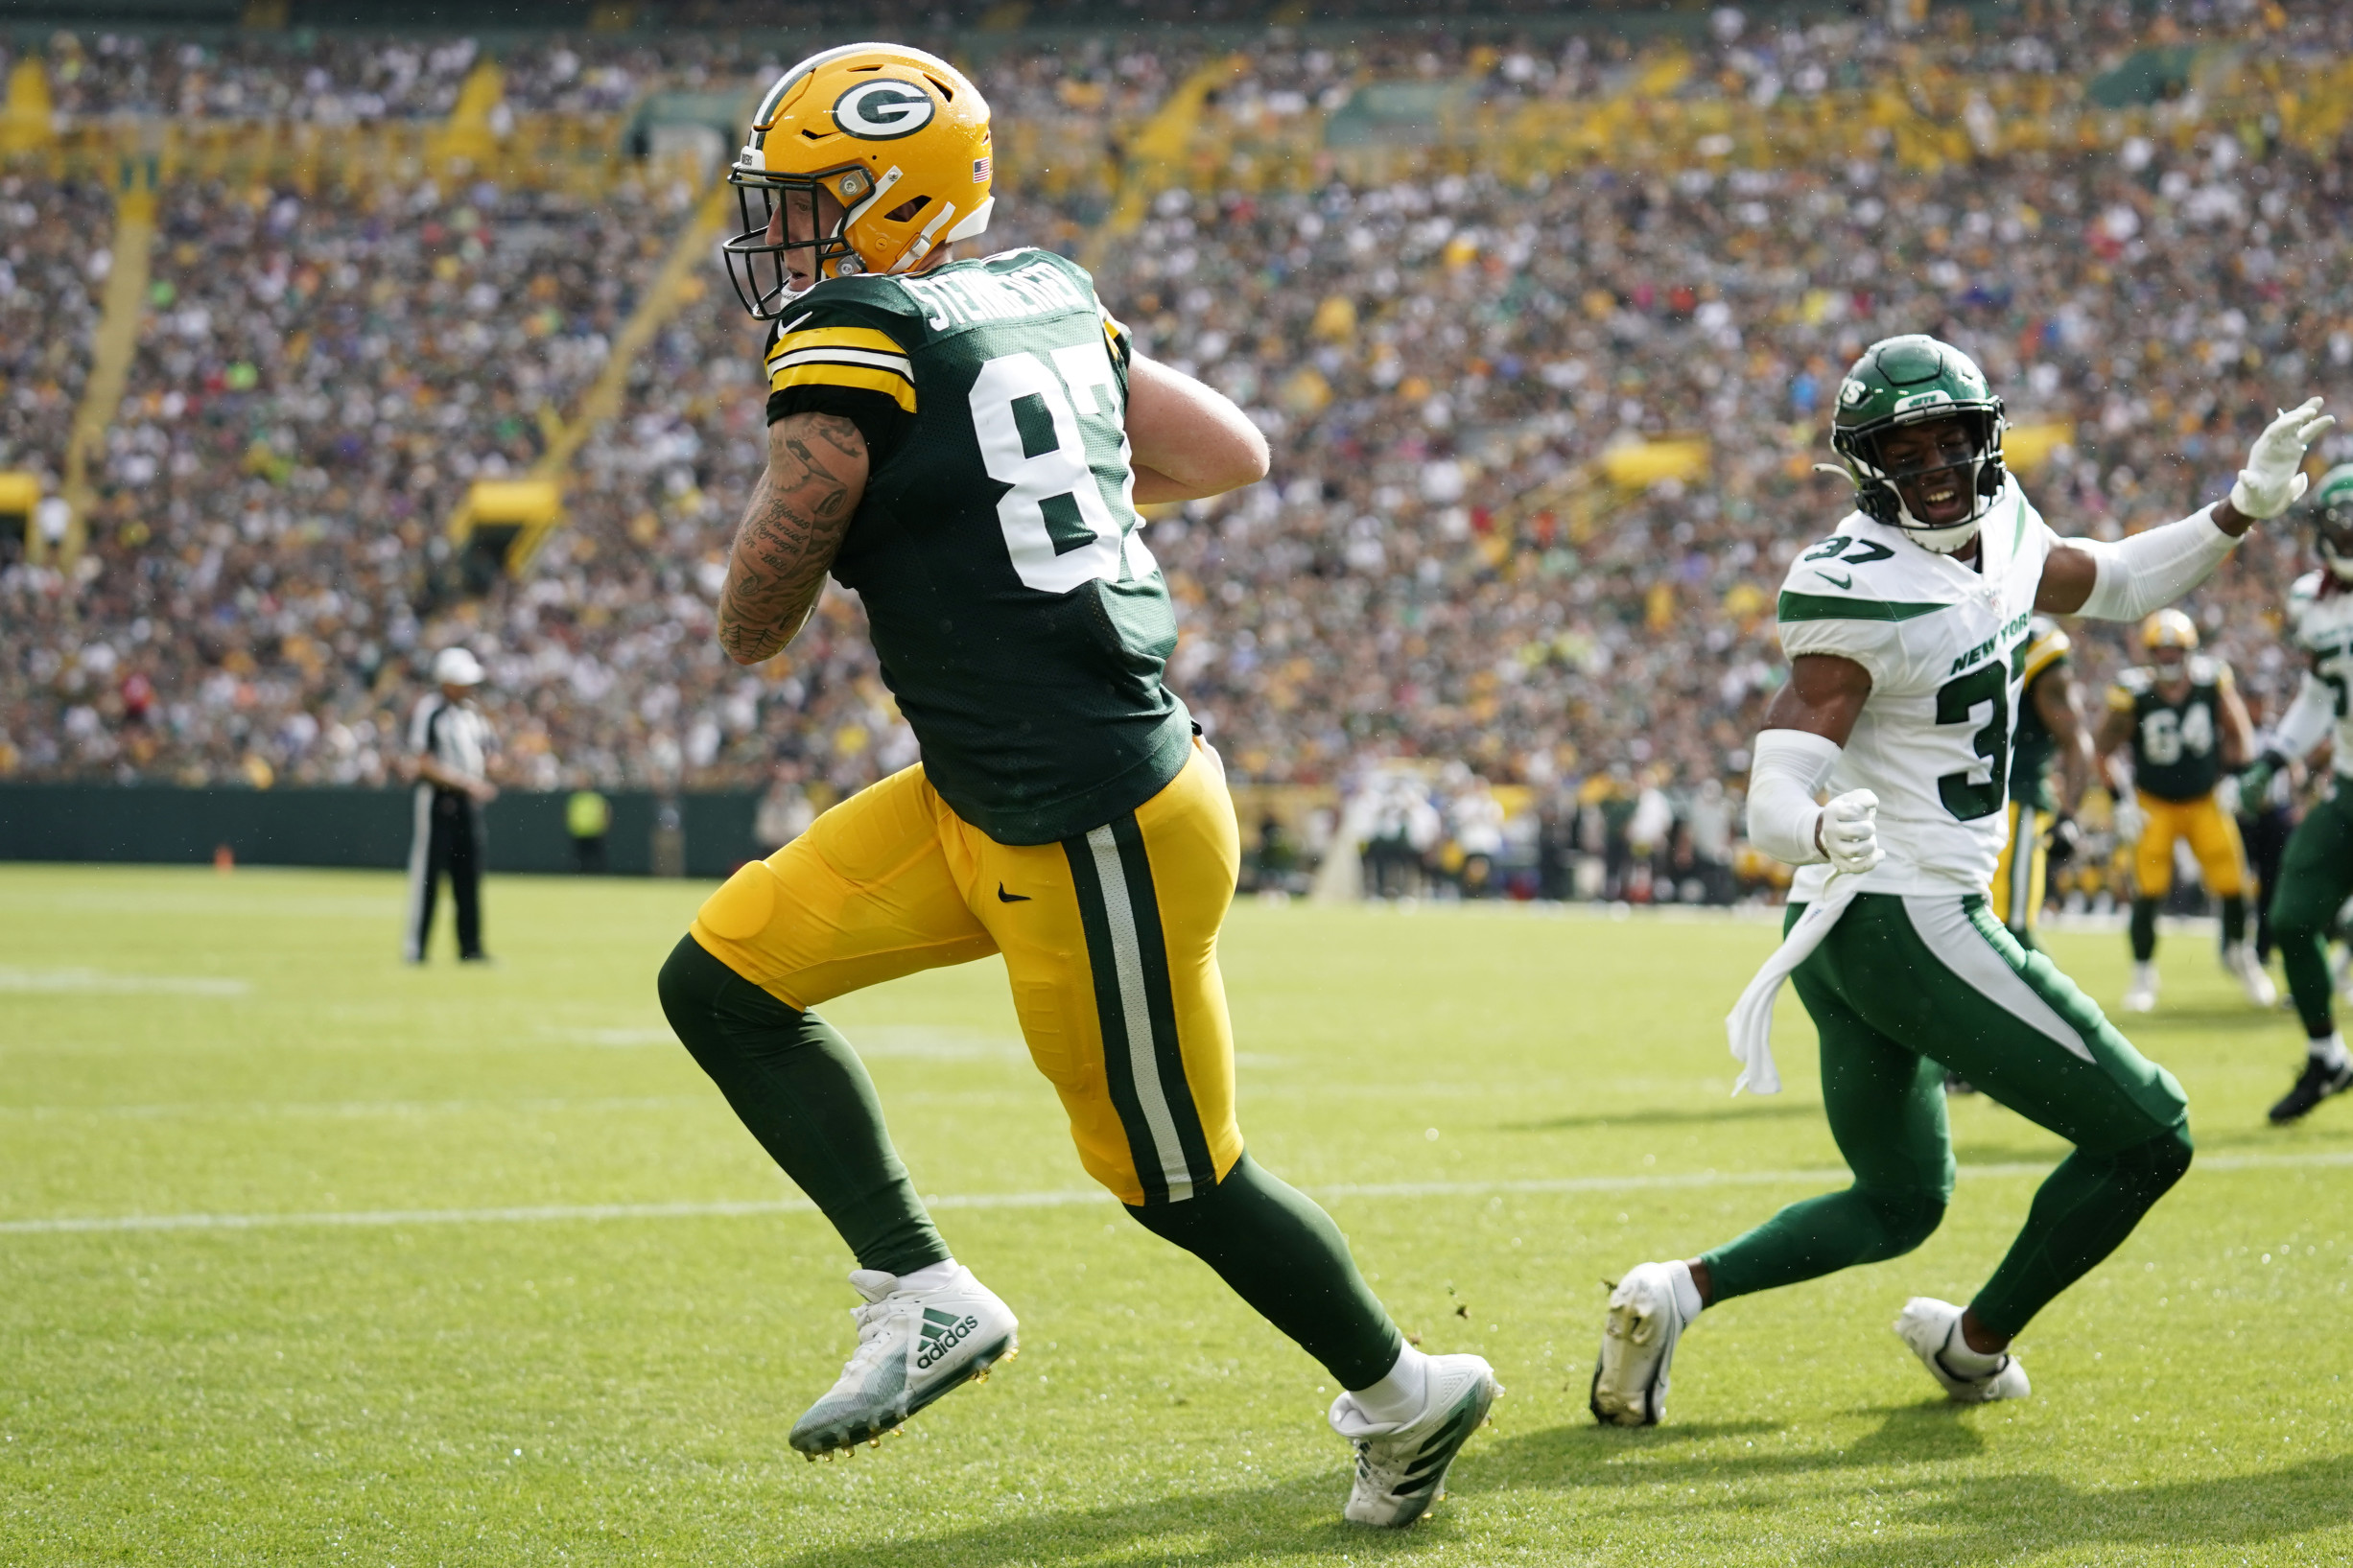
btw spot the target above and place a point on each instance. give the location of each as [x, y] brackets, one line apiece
[2169, 630]
[898, 137]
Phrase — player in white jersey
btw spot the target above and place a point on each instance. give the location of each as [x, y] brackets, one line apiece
[2316, 873]
[1906, 631]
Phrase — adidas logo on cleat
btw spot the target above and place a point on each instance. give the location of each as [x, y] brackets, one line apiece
[942, 1332]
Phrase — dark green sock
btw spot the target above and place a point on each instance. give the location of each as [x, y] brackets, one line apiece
[2144, 931]
[1815, 1236]
[2083, 1211]
[806, 1096]
[2234, 919]
[1285, 1256]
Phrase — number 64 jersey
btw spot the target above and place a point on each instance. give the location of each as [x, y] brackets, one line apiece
[1021, 622]
[1945, 644]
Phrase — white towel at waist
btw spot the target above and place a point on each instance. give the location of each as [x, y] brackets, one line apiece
[1750, 1023]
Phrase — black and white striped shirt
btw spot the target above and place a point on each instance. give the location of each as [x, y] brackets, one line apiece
[453, 733]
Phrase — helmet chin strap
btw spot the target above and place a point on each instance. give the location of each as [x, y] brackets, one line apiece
[1942, 541]
[2339, 567]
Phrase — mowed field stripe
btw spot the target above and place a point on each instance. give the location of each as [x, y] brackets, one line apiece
[573, 1213]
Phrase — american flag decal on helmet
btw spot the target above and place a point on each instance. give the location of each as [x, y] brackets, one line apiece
[980, 171]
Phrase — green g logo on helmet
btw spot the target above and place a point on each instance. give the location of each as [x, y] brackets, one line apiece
[1907, 381]
[2332, 505]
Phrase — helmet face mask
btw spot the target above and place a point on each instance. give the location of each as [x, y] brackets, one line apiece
[786, 217]
[867, 158]
[1884, 429]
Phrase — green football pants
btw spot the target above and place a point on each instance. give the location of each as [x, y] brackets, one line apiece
[2316, 877]
[1904, 987]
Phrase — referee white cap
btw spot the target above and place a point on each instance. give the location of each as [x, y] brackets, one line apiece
[457, 666]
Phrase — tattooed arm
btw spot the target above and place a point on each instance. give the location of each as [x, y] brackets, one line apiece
[799, 511]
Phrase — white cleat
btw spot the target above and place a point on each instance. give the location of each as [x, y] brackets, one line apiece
[1637, 1348]
[914, 1346]
[2239, 960]
[1401, 1468]
[2141, 995]
[1932, 1328]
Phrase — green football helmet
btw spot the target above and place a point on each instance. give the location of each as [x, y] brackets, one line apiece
[2332, 507]
[1907, 381]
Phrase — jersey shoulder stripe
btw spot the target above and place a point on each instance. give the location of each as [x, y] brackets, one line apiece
[2046, 652]
[891, 384]
[858, 356]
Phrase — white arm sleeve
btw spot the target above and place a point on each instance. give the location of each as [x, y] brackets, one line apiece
[2152, 567]
[1788, 768]
[2308, 719]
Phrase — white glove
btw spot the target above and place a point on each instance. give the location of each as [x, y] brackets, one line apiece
[2131, 819]
[2274, 476]
[1850, 832]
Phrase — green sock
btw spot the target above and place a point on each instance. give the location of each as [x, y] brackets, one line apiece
[1815, 1236]
[2303, 954]
[806, 1096]
[2083, 1212]
[1285, 1256]
[2143, 929]
[2234, 919]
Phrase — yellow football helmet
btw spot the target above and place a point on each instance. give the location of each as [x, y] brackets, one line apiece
[2169, 630]
[896, 139]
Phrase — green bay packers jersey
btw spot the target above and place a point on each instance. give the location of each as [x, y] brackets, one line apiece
[2176, 742]
[1944, 644]
[2034, 748]
[1020, 621]
[2320, 623]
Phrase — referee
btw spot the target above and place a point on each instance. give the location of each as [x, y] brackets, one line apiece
[449, 740]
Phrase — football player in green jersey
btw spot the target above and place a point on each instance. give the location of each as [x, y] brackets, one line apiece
[2185, 725]
[964, 443]
[2051, 738]
[2316, 873]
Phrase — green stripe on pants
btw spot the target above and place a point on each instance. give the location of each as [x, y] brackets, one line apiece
[1904, 985]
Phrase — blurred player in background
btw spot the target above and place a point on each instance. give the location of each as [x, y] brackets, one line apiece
[2316, 873]
[2051, 737]
[2181, 717]
[450, 746]
[964, 445]
[1906, 631]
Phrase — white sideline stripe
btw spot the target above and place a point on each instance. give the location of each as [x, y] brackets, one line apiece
[98, 982]
[1072, 1199]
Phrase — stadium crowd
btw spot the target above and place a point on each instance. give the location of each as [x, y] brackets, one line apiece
[1444, 366]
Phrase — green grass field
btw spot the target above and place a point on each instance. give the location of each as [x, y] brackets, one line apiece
[475, 1267]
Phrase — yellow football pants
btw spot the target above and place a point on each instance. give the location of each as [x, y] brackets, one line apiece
[1110, 940]
[2017, 904]
[2214, 838]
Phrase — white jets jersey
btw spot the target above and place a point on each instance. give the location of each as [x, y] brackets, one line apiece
[1945, 646]
[2321, 626]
